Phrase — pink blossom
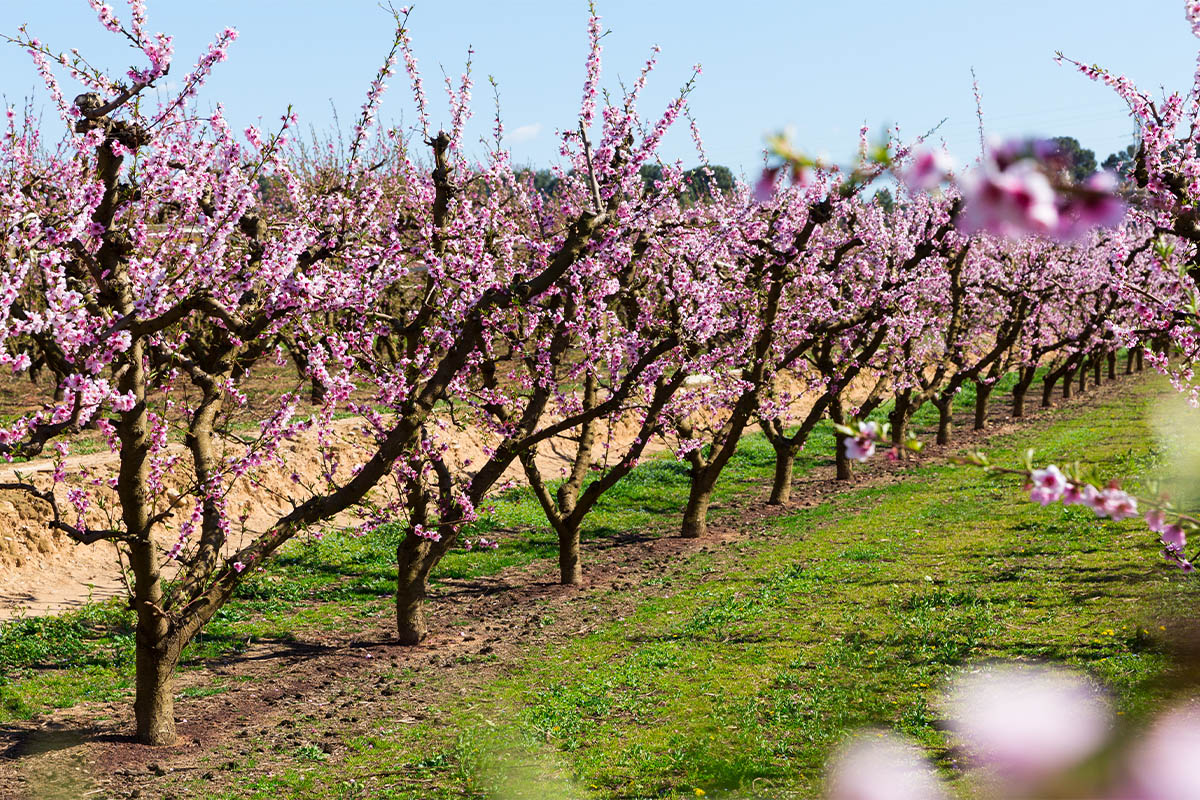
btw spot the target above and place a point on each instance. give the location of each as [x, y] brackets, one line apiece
[1095, 203]
[1173, 538]
[882, 767]
[1119, 505]
[764, 188]
[862, 447]
[1048, 485]
[1073, 494]
[1025, 723]
[928, 169]
[1163, 766]
[1016, 202]
[1091, 497]
[426, 533]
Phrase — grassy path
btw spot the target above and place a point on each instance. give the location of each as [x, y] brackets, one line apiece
[730, 669]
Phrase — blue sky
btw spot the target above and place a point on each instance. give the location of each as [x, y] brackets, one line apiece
[823, 68]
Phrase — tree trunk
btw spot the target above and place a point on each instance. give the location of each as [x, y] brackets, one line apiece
[1021, 389]
[570, 569]
[1083, 372]
[316, 392]
[1068, 384]
[945, 419]
[412, 576]
[1048, 390]
[154, 654]
[899, 416]
[1112, 365]
[982, 393]
[1130, 355]
[154, 702]
[1097, 370]
[842, 463]
[1141, 362]
[781, 486]
[695, 516]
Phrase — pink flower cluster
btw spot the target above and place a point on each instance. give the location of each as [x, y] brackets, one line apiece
[1019, 191]
[1050, 485]
[1173, 539]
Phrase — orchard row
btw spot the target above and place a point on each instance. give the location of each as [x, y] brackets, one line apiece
[154, 259]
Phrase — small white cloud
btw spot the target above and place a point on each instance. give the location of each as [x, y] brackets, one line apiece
[525, 133]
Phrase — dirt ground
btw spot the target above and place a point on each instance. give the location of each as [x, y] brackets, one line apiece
[288, 692]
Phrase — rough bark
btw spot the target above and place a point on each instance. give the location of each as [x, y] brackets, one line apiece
[1048, 384]
[412, 583]
[781, 484]
[845, 469]
[945, 407]
[901, 412]
[1021, 389]
[982, 392]
[695, 515]
[154, 703]
[570, 569]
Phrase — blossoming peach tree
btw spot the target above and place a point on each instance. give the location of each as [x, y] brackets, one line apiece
[139, 260]
[142, 260]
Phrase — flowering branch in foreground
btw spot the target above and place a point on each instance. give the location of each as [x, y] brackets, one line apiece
[862, 436]
[1051, 484]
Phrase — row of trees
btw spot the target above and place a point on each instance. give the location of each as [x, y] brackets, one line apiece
[416, 290]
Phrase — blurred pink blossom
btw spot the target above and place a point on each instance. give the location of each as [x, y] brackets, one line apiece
[1048, 485]
[928, 169]
[1026, 723]
[1015, 202]
[882, 767]
[1164, 765]
[862, 447]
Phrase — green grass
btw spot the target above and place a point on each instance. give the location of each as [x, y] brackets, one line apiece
[739, 675]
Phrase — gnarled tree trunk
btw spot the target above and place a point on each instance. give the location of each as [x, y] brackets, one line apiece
[1048, 384]
[781, 484]
[842, 463]
[412, 583]
[982, 392]
[902, 410]
[1021, 389]
[695, 515]
[945, 407]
